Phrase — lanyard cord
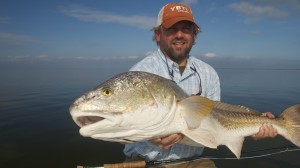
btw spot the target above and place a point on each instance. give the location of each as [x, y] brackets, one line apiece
[195, 70]
[171, 73]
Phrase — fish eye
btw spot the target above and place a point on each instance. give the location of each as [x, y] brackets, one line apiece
[106, 92]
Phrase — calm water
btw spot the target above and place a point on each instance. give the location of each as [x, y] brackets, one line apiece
[36, 129]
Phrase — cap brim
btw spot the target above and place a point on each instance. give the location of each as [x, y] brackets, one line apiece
[169, 23]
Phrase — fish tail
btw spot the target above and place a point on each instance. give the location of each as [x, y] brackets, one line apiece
[291, 117]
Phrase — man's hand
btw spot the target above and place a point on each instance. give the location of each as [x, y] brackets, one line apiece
[266, 130]
[167, 141]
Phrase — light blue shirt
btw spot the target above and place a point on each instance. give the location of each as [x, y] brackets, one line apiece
[197, 76]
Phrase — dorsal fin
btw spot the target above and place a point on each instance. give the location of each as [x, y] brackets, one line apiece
[234, 108]
[194, 109]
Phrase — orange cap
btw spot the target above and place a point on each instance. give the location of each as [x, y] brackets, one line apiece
[173, 13]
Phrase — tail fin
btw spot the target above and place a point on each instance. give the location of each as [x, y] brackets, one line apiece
[292, 116]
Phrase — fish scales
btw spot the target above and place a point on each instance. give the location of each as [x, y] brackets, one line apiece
[234, 120]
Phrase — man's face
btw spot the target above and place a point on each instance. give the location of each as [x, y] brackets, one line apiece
[177, 41]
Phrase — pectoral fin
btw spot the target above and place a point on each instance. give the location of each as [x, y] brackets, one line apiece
[194, 109]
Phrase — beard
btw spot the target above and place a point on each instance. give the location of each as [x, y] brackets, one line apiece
[178, 53]
[178, 56]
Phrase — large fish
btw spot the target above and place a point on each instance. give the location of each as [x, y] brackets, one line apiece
[138, 106]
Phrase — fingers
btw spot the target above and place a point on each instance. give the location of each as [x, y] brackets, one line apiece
[268, 114]
[270, 131]
[168, 141]
[265, 131]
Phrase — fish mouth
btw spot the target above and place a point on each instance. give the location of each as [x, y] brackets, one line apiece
[99, 125]
[88, 120]
[93, 123]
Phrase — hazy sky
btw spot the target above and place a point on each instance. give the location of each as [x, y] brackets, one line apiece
[119, 29]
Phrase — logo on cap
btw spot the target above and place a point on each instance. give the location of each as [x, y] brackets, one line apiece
[180, 9]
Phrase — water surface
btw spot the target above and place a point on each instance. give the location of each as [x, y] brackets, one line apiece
[36, 129]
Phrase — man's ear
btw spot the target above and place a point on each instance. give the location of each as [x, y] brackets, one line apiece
[157, 34]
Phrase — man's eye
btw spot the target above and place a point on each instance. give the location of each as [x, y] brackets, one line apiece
[184, 30]
[187, 29]
[172, 29]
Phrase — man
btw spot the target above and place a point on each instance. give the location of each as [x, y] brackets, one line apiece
[175, 34]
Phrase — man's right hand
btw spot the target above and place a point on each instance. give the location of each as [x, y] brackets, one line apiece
[167, 141]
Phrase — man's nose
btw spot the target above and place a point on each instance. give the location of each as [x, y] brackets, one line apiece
[179, 32]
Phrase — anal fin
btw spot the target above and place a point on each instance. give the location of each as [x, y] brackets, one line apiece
[235, 145]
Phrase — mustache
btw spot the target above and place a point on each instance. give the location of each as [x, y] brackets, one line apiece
[179, 40]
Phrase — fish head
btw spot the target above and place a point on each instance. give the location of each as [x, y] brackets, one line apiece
[122, 107]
